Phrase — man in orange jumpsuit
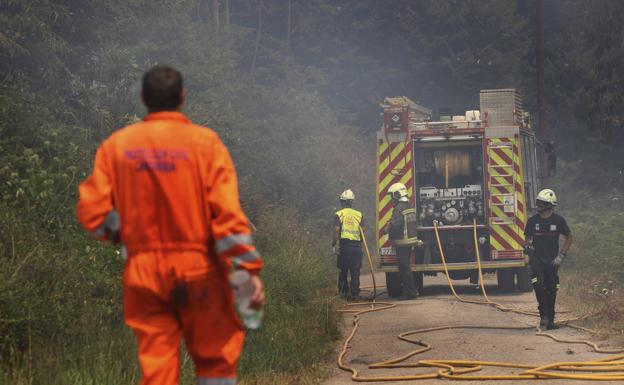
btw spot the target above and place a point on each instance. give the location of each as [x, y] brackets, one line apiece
[167, 190]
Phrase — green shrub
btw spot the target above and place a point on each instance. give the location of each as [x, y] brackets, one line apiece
[61, 320]
[301, 321]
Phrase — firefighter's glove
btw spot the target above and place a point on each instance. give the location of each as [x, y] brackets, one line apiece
[557, 261]
[529, 250]
[336, 250]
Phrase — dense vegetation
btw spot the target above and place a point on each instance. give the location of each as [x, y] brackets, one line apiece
[292, 87]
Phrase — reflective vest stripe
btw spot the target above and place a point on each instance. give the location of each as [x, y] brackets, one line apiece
[350, 220]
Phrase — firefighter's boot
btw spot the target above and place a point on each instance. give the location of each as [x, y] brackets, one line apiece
[552, 325]
[551, 311]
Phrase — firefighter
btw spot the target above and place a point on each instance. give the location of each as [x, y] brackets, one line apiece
[173, 186]
[395, 230]
[347, 244]
[542, 246]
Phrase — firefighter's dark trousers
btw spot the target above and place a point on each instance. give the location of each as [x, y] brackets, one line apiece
[545, 280]
[405, 271]
[349, 263]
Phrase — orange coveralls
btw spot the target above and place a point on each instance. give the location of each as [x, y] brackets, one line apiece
[174, 186]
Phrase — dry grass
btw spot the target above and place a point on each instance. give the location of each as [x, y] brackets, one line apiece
[307, 376]
[597, 296]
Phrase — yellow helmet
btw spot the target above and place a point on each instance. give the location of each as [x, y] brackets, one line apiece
[398, 191]
[548, 196]
[347, 195]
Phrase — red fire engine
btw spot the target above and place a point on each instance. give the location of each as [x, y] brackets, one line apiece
[479, 167]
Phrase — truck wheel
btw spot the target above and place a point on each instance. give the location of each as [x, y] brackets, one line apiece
[505, 278]
[393, 284]
[418, 280]
[523, 275]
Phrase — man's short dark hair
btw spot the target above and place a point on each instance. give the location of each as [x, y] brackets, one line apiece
[162, 88]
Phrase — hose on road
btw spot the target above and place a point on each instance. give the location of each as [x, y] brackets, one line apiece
[610, 368]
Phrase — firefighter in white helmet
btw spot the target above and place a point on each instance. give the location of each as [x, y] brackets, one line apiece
[542, 246]
[395, 230]
[347, 244]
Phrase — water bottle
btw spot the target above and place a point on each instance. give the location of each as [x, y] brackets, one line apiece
[243, 290]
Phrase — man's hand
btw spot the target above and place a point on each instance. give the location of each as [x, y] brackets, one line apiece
[257, 298]
[557, 261]
[336, 250]
[112, 225]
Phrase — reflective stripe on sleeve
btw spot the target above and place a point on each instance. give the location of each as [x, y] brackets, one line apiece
[534, 280]
[230, 241]
[251, 256]
[216, 381]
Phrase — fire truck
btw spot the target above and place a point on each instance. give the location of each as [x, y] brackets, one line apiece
[475, 170]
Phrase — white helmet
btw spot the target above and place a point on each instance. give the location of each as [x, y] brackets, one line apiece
[398, 191]
[548, 196]
[347, 195]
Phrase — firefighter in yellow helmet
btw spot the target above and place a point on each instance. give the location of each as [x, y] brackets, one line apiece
[542, 246]
[395, 230]
[347, 244]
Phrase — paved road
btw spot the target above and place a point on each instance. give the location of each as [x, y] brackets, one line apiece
[376, 339]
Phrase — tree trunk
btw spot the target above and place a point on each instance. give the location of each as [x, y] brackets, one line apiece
[215, 14]
[541, 98]
[258, 32]
[227, 16]
[289, 24]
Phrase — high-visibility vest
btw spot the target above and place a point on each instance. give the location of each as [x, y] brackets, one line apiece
[350, 220]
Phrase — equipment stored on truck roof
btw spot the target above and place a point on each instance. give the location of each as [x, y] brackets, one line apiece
[479, 166]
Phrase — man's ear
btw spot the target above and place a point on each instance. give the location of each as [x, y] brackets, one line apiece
[183, 94]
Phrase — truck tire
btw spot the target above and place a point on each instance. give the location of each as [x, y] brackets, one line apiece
[505, 278]
[523, 277]
[418, 280]
[393, 284]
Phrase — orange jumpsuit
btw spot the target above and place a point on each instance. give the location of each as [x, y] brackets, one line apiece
[174, 186]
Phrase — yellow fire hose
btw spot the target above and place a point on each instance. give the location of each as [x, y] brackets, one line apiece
[610, 368]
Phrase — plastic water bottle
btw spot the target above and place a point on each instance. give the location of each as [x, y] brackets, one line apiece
[243, 290]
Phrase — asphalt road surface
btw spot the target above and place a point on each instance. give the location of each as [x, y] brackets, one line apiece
[376, 339]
